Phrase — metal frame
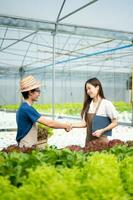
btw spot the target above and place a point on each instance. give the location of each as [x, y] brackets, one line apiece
[36, 26]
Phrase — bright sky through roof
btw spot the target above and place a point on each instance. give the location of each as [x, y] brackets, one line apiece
[110, 14]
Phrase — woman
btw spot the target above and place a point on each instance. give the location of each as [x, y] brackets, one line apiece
[98, 114]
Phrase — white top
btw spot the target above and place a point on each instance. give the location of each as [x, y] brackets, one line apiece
[105, 109]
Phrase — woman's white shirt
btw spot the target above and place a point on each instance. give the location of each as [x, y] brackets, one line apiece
[105, 109]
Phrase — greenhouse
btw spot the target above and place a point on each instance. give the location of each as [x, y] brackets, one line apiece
[79, 53]
[63, 55]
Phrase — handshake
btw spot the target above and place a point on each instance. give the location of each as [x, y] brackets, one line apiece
[68, 127]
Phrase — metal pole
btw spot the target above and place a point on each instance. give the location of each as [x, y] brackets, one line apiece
[53, 69]
[132, 95]
[18, 41]
[54, 37]
[60, 11]
[21, 74]
[77, 10]
[53, 78]
[84, 56]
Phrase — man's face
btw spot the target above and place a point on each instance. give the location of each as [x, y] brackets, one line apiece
[35, 94]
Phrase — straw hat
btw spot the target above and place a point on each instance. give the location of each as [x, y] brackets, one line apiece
[29, 83]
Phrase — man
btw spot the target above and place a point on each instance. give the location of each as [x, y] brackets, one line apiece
[27, 116]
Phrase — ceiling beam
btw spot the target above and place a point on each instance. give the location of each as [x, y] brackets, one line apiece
[47, 26]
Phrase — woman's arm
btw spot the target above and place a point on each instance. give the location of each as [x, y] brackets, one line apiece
[112, 125]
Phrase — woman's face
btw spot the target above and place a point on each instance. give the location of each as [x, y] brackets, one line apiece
[91, 90]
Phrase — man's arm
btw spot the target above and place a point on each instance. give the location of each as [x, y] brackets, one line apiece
[54, 124]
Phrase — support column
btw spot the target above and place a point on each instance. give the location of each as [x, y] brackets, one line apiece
[132, 95]
[53, 78]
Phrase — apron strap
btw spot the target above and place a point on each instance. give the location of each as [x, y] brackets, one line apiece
[97, 107]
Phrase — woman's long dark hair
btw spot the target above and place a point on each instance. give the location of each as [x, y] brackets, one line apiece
[87, 99]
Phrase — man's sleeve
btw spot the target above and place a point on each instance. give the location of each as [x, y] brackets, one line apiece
[33, 114]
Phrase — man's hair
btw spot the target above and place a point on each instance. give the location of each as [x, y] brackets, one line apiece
[26, 94]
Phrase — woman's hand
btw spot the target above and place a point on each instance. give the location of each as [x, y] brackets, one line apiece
[98, 133]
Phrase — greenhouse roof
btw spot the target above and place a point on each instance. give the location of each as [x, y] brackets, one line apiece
[47, 26]
[27, 44]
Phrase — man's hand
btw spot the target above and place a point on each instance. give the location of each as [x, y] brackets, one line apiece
[69, 127]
